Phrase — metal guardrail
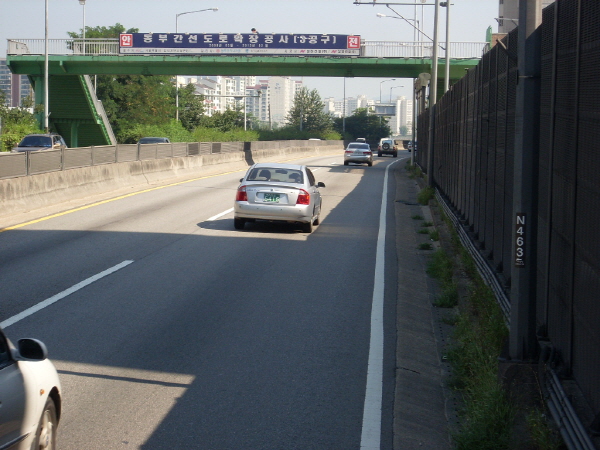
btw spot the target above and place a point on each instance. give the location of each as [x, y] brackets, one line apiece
[370, 49]
[13, 165]
[387, 49]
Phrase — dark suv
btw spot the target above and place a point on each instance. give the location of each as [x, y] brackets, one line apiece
[387, 147]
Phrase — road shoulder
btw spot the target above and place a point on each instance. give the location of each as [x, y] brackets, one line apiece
[420, 400]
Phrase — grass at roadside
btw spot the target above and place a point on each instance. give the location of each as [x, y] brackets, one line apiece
[489, 418]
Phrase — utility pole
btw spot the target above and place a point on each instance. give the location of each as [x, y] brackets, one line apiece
[433, 95]
[522, 340]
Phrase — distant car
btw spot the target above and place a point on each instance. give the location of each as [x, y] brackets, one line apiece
[37, 142]
[358, 153]
[410, 146]
[154, 140]
[30, 396]
[387, 147]
[278, 193]
[363, 140]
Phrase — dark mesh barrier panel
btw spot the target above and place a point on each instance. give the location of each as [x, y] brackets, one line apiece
[473, 154]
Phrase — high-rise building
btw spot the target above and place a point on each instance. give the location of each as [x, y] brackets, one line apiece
[257, 104]
[282, 91]
[16, 87]
[508, 14]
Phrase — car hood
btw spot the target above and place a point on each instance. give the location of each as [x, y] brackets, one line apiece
[29, 149]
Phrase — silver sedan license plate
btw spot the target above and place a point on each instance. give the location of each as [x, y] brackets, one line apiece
[271, 198]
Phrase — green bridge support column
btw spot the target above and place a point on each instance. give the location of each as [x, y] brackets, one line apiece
[74, 134]
[37, 83]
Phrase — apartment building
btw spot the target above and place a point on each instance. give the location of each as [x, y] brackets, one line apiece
[16, 87]
[508, 14]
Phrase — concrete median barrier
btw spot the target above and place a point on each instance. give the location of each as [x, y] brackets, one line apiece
[23, 194]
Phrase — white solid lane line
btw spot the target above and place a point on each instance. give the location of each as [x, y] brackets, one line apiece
[29, 311]
[219, 215]
[370, 438]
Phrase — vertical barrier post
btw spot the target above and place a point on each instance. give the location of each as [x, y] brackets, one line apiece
[522, 340]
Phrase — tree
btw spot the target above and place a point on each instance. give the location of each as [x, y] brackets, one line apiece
[307, 113]
[132, 99]
[363, 123]
[16, 122]
[103, 32]
[226, 121]
[191, 107]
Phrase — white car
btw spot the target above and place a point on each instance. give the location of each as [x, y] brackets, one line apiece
[278, 193]
[30, 396]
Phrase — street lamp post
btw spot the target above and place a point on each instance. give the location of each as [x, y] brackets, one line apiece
[447, 67]
[394, 87]
[380, 83]
[82, 3]
[344, 106]
[176, 77]
[46, 102]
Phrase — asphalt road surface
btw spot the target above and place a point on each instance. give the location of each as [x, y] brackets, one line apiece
[170, 329]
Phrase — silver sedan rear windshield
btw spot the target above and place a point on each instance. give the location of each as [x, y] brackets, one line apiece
[273, 174]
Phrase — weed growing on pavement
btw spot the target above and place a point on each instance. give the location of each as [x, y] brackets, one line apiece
[434, 235]
[442, 268]
[427, 224]
[544, 437]
[423, 231]
[425, 195]
[479, 336]
[417, 217]
[414, 171]
[425, 246]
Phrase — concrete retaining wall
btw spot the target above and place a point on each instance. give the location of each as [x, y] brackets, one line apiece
[18, 195]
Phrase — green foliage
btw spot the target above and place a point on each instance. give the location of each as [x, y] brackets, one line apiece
[227, 121]
[307, 112]
[134, 99]
[414, 170]
[16, 123]
[130, 100]
[172, 129]
[102, 32]
[191, 107]
[479, 336]
[434, 235]
[425, 195]
[292, 133]
[203, 134]
[440, 267]
[362, 123]
[542, 433]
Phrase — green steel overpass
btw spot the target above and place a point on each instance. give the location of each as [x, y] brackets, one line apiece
[78, 116]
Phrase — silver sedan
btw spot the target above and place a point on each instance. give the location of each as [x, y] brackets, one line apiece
[30, 396]
[359, 153]
[278, 193]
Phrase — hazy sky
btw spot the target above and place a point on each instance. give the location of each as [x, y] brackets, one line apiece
[24, 19]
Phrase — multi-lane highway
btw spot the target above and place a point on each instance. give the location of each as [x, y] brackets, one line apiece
[170, 329]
